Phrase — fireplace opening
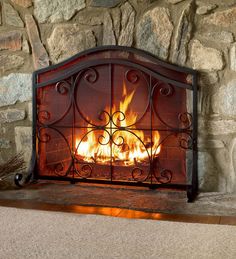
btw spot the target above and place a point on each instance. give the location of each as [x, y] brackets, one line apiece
[116, 115]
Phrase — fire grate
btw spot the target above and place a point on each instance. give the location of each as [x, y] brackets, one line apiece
[116, 115]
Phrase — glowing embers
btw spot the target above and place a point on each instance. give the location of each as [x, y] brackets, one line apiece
[119, 140]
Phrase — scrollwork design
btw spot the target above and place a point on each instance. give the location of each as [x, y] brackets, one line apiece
[187, 142]
[166, 89]
[102, 138]
[43, 137]
[59, 168]
[85, 171]
[43, 115]
[132, 76]
[90, 75]
[104, 116]
[120, 143]
[186, 118]
[123, 141]
[162, 175]
[62, 87]
[138, 174]
[118, 116]
[165, 176]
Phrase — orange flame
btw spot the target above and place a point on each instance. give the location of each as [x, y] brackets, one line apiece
[125, 147]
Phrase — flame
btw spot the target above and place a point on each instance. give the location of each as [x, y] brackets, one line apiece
[125, 148]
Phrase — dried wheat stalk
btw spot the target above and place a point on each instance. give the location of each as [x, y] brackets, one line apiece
[13, 165]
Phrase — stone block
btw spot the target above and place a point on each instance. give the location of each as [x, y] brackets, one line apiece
[204, 102]
[232, 176]
[183, 35]
[40, 55]
[216, 126]
[23, 140]
[207, 172]
[127, 25]
[104, 3]
[10, 62]
[25, 46]
[224, 101]
[5, 143]
[15, 87]
[11, 16]
[10, 40]
[205, 58]
[56, 10]
[0, 13]
[89, 17]
[30, 111]
[204, 8]
[116, 17]
[206, 143]
[218, 36]
[223, 18]
[108, 32]
[3, 130]
[11, 115]
[206, 79]
[22, 3]
[174, 1]
[233, 57]
[154, 32]
[68, 39]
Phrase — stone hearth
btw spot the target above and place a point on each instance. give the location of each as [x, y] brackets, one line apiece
[64, 196]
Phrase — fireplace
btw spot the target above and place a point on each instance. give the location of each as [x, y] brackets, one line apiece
[116, 115]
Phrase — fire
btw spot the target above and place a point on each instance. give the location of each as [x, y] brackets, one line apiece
[125, 147]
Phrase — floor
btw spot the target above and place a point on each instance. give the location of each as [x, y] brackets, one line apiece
[131, 202]
[31, 234]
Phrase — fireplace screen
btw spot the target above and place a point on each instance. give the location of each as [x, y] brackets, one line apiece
[116, 115]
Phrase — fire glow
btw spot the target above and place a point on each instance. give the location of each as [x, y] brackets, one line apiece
[125, 147]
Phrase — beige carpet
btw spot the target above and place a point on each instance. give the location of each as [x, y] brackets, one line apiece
[39, 234]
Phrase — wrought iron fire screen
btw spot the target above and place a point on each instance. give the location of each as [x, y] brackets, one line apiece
[116, 115]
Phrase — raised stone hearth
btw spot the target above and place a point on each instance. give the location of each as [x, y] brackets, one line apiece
[190, 33]
[64, 196]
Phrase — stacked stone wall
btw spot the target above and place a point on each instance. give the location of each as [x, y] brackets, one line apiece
[190, 33]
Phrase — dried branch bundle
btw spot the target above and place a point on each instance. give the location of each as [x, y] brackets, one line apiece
[13, 165]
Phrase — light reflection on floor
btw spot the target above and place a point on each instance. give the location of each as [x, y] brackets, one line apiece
[119, 212]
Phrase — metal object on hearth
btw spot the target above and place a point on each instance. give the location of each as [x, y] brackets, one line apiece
[56, 109]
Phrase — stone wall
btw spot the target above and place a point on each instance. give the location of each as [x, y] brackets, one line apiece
[196, 34]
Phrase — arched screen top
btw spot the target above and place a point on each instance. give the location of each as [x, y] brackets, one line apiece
[106, 54]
